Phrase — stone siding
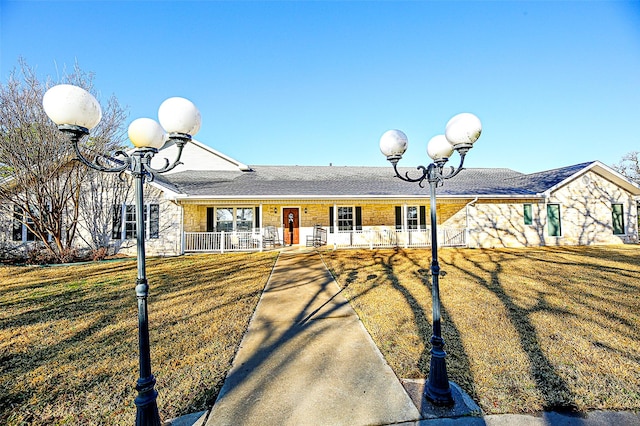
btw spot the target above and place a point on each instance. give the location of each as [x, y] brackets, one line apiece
[585, 214]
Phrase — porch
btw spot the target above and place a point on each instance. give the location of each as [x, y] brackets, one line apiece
[260, 239]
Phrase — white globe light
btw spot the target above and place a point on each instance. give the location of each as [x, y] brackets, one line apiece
[179, 115]
[146, 133]
[68, 104]
[439, 148]
[393, 143]
[463, 129]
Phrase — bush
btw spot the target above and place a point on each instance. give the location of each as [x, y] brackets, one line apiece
[43, 256]
[99, 254]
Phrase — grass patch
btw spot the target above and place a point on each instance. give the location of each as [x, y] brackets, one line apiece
[525, 329]
[68, 335]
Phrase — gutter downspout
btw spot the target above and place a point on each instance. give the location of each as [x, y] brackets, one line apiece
[466, 211]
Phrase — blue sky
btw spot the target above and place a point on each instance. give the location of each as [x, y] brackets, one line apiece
[318, 82]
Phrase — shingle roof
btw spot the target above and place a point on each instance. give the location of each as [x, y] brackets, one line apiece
[333, 181]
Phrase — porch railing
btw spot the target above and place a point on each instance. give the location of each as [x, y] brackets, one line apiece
[367, 238]
[222, 241]
[374, 238]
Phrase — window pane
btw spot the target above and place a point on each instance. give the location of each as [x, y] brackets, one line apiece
[244, 218]
[528, 214]
[30, 235]
[154, 221]
[130, 222]
[345, 218]
[617, 215]
[412, 217]
[553, 220]
[224, 219]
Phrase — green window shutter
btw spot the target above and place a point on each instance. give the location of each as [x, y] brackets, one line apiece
[423, 217]
[398, 217]
[116, 223]
[154, 221]
[211, 221]
[331, 220]
[359, 218]
[528, 214]
[617, 217]
[554, 225]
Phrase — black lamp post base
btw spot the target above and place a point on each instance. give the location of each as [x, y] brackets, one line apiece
[439, 397]
[463, 405]
[147, 408]
[437, 390]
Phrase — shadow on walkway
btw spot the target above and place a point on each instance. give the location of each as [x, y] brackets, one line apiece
[306, 359]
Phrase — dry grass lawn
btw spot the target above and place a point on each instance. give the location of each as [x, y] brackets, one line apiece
[68, 335]
[525, 329]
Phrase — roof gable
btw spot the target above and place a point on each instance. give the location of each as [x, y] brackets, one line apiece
[197, 156]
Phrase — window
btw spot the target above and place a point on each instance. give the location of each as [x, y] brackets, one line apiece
[416, 217]
[345, 218]
[554, 225]
[224, 219]
[349, 218]
[528, 214]
[130, 222]
[228, 219]
[412, 217]
[20, 230]
[617, 218]
[124, 221]
[244, 219]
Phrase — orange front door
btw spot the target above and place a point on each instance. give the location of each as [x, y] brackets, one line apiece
[291, 225]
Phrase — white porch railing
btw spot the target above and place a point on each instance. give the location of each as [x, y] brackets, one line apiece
[368, 238]
[222, 241]
[386, 237]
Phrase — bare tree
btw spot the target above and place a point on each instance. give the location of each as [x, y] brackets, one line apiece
[629, 166]
[39, 176]
[102, 191]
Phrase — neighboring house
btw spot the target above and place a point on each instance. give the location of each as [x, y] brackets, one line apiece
[214, 203]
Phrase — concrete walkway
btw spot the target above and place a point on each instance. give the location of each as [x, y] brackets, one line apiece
[306, 359]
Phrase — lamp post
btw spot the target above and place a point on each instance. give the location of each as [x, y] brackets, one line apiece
[460, 134]
[76, 112]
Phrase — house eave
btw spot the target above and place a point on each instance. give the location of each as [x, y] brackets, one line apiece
[324, 197]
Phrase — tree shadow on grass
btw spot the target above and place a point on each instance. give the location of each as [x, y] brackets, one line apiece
[457, 360]
[551, 386]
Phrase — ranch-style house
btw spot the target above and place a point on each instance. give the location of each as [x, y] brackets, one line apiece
[213, 203]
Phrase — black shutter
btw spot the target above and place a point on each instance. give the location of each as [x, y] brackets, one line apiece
[210, 220]
[116, 223]
[358, 218]
[257, 217]
[17, 223]
[154, 221]
[331, 220]
[398, 217]
[423, 217]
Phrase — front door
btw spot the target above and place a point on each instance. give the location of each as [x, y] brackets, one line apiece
[291, 226]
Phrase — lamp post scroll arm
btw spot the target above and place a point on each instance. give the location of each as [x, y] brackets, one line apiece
[180, 140]
[424, 170]
[76, 133]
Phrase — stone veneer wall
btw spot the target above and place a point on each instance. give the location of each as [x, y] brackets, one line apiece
[169, 242]
[585, 213]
